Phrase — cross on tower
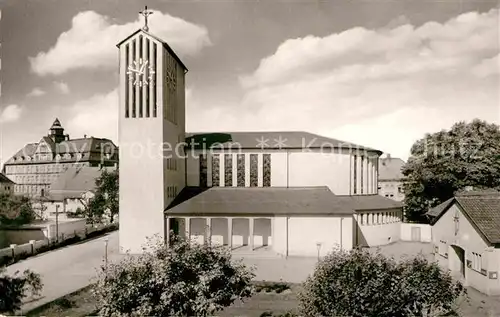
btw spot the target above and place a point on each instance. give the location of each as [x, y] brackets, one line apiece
[456, 219]
[146, 13]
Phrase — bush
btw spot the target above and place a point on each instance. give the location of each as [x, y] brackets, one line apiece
[357, 283]
[268, 287]
[272, 314]
[5, 260]
[14, 288]
[181, 280]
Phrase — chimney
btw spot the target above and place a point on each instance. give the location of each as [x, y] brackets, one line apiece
[84, 136]
[388, 156]
[66, 137]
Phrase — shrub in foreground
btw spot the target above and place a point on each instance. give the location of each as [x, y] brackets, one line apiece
[358, 283]
[183, 280]
[13, 289]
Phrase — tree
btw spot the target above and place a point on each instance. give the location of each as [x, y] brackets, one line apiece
[180, 280]
[359, 283]
[15, 210]
[14, 288]
[105, 200]
[447, 161]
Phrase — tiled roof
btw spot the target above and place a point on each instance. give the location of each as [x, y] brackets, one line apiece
[90, 148]
[269, 140]
[4, 179]
[370, 202]
[74, 182]
[483, 210]
[436, 211]
[271, 201]
[390, 169]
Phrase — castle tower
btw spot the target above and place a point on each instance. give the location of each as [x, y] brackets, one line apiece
[57, 132]
[151, 125]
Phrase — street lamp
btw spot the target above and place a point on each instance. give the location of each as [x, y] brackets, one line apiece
[57, 223]
[106, 252]
[318, 245]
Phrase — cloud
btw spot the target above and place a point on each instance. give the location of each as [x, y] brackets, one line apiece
[10, 113]
[61, 87]
[320, 84]
[91, 41]
[96, 116]
[380, 88]
[36, 92]
[396, 132]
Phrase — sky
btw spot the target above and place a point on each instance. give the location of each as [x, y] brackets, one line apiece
[380, 73]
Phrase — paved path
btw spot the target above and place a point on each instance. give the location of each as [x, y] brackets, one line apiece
[68, 269]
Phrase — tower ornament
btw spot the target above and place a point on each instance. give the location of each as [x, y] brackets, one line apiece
[145, 13]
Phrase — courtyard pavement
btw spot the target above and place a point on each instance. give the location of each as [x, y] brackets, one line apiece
[71, 268]
[68, 269]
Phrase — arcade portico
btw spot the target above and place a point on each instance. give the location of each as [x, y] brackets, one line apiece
[233, 232]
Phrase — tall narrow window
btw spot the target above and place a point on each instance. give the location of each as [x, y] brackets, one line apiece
[146, 88]
[153, 60]
[254, 170]
[203, 170]
[134, 99]
[266, 170]
[140, 86]
[355, 174]
[361, 173]
[228, 170]
[241, 170]
[127, 81]
[216, 170]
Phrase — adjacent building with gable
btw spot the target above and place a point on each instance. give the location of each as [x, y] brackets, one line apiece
[34, 167]
[390, 180]
[466, 238]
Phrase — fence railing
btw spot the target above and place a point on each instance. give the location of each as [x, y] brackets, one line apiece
[18, 252]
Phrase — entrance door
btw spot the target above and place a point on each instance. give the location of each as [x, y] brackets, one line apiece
[458, 261]
[415, 234]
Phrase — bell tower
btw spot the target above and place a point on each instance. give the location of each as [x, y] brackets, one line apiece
[151, 133]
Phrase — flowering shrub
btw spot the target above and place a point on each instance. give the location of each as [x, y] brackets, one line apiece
[358, 283]
[183, 280]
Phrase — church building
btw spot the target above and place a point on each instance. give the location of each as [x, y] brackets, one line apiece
[284, 192]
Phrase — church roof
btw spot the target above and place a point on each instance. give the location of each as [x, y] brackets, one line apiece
[390, 169]
[164, 44]
[481, 208]
[74, 182]
[269, 140]
[4, 179]
[260, 201]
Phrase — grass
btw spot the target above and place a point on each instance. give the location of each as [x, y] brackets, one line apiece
[78, 304]
[81, 303]
[273, 299]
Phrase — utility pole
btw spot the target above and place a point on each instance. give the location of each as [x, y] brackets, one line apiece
[57, 223]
